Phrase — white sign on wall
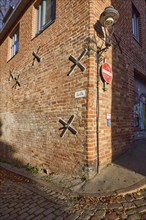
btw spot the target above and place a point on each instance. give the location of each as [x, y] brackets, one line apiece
[80, 94]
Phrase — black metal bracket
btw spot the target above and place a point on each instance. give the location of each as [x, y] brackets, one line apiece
[117, 43]
[77, 62]
[16, 82]
[11, 77]
[36, 57]
[14, 78]
[67, 126]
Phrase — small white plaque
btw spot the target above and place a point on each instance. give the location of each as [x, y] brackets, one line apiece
[80, 94]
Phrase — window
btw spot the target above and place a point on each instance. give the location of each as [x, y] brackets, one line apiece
[14, 43]
[135, 23]
[45, 14]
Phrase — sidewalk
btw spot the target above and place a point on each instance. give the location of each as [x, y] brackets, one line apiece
[126, 174]
[27, 197]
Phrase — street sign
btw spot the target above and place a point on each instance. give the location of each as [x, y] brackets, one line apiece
[106, 72]
[80, 94]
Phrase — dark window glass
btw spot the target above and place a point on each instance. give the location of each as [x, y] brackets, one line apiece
[45, 14]
[135, 23]
[14, 43]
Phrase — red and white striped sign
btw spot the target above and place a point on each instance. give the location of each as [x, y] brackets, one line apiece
[106, 72]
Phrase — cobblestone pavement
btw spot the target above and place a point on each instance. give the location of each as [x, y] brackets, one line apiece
[24, 199]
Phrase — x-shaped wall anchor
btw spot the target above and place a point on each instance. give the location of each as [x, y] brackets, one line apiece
[67, 126]
[77, 62]
[11, 77]
[16, 82]
[118, 41]
[36, 56]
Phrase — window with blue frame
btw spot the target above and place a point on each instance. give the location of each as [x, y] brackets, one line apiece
[136, 23]
[45, 14]
[14, 43]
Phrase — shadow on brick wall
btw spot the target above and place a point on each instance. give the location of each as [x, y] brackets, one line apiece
[133, 152]
[7, 151]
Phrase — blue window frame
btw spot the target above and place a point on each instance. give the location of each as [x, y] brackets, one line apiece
[45, 14]
[135, 23]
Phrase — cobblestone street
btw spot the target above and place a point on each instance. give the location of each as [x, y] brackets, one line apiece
[24, 199]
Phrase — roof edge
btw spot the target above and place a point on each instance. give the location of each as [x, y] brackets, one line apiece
[17, 11]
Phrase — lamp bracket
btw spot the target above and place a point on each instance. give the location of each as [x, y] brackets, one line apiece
[118, 41]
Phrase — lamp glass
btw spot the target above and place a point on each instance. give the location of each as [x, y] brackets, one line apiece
[109, 22]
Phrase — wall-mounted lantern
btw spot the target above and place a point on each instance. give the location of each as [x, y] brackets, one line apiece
[108, 19]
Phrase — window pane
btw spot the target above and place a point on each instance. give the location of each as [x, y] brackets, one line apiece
[14, 43]
[12, 46]
[40, 17]
[16, 46]
[12, 51]
[135, 23]
[49, 5]
[45, 13]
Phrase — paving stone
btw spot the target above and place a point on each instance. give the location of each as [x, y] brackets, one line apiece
[143, 216]
[100, 206]
[141, 209]
[140, 202]
[40, 210]
[16, 210]
[51, 216]
[59, 218]
[128, 205]
[39, 217]
[12, 217]
[114, 206]
[43, 203]
[112, 216]
[9, 211]
[30, 217]
[23, 216]
[23, 210]
[32, 210]
[131, 211]
[48, 211]
[139, 195]
[124, 216]
[119, 212]
[71, 217]
[94, 218]
[100, 214]
[129, 198]
[133, 217]
[33, 202]
[5, 217]
[58, 212]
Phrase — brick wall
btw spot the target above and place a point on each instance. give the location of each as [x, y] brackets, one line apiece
[118, 100]
[30, 113]
[124, 65]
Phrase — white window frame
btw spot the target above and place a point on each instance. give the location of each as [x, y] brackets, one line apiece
[135, 24]
[41, 22]
[14, 43]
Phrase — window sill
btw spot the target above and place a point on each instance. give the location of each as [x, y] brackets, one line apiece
[12, 57]
[44, 28]
[137, 41]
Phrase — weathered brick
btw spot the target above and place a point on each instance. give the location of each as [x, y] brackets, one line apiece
[30, 113]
